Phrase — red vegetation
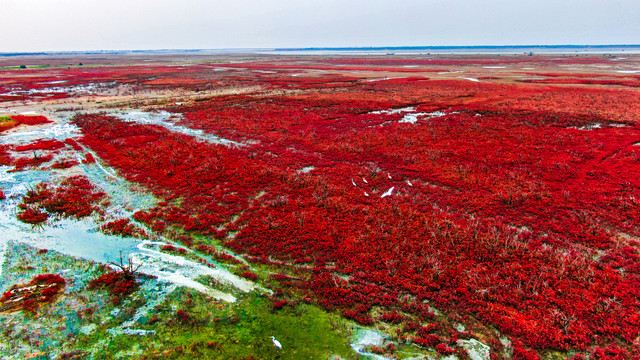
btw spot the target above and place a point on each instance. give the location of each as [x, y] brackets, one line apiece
[123, 227]
[630, 83]
[249, 275]
[74, 197]
[393, 318]
[183, 317]
[279, 304]
[64, 164]
[5, 158]
[516, 203]
[41, 145]
[171, 248]
[217, 255]
[389, 349]
[6, 123]
[41, 289]
[444, 349]
[74, 144]
[32, 216]
[88, 159]
[31, 119]
[34, 160]
[119, 284]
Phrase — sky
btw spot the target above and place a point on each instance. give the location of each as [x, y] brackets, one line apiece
[76, 25]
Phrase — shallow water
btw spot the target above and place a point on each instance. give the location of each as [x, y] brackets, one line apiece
[363, 338]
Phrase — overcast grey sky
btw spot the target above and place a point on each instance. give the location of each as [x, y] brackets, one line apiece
[53, 25]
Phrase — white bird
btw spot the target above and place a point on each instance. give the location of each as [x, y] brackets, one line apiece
[276, 343]
[389, 192]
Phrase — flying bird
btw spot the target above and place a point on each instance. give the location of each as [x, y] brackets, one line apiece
[276, 343]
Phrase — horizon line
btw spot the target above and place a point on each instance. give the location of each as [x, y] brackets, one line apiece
[317, 48]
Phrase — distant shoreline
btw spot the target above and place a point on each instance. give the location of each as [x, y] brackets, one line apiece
[374, 50]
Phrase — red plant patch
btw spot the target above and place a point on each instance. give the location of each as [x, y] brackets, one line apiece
[119, 284]
[88, 159]
[171, 248]
[249, 275]
[32, 216]
[5, 158]
[40, 290]
[41, 145]
[34, 160]
[74, 144]
[74, 197]
[64, 164]
[31, 119]
[514, 203]
[123, 227]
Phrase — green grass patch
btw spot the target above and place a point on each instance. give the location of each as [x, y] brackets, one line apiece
[191, 325]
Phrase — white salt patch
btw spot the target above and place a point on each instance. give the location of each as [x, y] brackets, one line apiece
[470, 79]
[628, 71]
[53, 82]
[590, 127]
[57, 131]
[494, 67]
[166, 119]
[413, 118]
[5, 175]
[181, 271]
[394, 111]
[599, 126]
[367, 338]
[476, 349]
[410, 114]
[138, 332]
[306, 169]
[409, 118]
[88, 329]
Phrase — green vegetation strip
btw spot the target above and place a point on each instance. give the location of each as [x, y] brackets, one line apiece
[189, 324]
